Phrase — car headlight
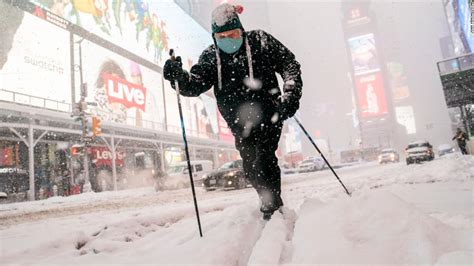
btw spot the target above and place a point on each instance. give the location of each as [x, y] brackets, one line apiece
[232, 173]
[392, 156]
[229, 182]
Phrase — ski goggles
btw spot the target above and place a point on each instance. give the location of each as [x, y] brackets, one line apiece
[233, 34]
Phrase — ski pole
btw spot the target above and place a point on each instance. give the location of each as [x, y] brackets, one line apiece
[320, 153]
[186, 148]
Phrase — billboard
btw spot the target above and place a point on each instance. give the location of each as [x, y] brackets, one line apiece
[32, 63]
[398, 81]
[292, 137]
[371, 95]
[406, 117]
[122, 91]
[102, 157]
[144, 27]
[464, 14]
[207, 121]
[128, 93]
[225, 133]
[457, 88]
[363, 54]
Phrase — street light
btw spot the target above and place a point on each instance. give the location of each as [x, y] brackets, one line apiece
[81, 108]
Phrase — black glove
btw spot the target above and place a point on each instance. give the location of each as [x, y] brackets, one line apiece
[173, 69]
[288, 103]
[287, 109]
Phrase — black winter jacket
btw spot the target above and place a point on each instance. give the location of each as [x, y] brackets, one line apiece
[269, 57]
[461, 138]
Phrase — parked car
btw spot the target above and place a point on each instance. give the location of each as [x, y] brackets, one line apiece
[229, 175]
[286, 169]
[388, 156]
[419, 151]
[444, 149]
[311, 164]
[177, 176]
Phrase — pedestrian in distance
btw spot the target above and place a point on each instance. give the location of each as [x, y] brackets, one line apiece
[461, 137]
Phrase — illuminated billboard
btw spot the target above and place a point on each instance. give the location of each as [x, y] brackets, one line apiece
[206, 109]
[406, 117]
[224, 131]
[101, 156]
[371, 95]
[33, 63]
[292, 137]
[398, 81]
[125, 92]
[464, 14]
[122, 91]
[144, 27]
[198, 116]
[364, 54]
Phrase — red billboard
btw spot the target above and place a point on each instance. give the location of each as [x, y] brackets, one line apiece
[124, 92]
[224, 131]
[101, 156]
[371, 95]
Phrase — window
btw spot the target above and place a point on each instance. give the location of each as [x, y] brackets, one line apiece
[198, 167]
[227, 165]
[6, 156]
[240, 164]
[176, 169]
[186, 169]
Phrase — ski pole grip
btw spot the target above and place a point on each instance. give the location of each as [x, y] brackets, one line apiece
[172, 54]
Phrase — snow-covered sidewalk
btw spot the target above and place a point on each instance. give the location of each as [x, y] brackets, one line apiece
[398, 214]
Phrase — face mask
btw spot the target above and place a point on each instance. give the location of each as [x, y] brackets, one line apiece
[229, 45]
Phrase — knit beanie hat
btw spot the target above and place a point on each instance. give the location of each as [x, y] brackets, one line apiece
[225, 17]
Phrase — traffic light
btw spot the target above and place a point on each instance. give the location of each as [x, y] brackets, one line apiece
[77, 150]
[96, 127]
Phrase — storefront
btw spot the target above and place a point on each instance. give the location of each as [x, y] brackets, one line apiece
[57, 166]
[13, 173]
[51, 167]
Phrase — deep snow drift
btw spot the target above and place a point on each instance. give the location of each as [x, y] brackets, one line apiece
[398, 214]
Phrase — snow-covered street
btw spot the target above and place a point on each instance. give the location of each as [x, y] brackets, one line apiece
[398, 214]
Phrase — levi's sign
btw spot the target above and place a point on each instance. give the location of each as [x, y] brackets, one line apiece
[124, 92]
[103, 157]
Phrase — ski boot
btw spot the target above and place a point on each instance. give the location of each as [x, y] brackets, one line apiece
[270, 205]
[267, 216]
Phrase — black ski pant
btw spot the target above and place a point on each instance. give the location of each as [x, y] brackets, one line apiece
[260, 162]
[462, 147]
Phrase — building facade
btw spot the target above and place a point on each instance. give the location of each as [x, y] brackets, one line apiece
[65, 63]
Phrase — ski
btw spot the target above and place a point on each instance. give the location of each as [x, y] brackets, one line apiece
[278, 227]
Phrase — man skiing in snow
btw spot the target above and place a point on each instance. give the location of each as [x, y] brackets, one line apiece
[242, 67]
[461, 138]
